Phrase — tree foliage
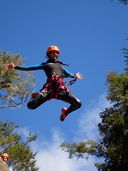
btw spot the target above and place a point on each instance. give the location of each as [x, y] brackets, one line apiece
[15, 87]
[21, 158]
[113, 143]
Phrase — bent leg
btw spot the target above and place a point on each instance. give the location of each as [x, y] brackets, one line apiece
[39, 99]
[69, 98]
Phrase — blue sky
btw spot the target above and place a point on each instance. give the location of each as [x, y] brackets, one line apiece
[90, 35]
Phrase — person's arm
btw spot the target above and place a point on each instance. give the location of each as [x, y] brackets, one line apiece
[68, 74]
[31, 68]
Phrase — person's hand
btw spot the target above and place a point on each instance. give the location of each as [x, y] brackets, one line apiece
[79, 76]
[10, 66]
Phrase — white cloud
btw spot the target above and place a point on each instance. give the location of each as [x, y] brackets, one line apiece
[10, 169]
[23, 131]
[52, 158]
[88, 123]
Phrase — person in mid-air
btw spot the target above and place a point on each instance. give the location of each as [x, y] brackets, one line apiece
[54, 86]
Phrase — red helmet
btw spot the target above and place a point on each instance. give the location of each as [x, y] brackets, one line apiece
[52, 48]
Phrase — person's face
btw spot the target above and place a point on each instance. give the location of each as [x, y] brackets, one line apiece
[5, 159]
[54, 55]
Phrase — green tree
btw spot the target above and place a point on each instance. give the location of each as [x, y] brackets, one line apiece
[21, 157]
[113, 141]
[15, 87]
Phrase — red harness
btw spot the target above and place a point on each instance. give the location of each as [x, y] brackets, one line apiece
[54, 84]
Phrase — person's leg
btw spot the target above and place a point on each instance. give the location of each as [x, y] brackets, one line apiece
[39, 99]
[75, 103]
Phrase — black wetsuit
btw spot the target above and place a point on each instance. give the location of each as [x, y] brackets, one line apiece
[54, 87]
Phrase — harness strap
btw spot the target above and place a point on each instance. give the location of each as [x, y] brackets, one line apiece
[58, 82]
[67, 83]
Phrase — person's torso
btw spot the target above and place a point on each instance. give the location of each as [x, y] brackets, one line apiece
[3, 166]
[53, 68]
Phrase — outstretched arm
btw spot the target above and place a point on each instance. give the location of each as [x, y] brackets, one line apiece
[68, 74]
[11, 66]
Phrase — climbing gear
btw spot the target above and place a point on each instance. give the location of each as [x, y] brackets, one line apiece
[54, 84]
[68, 83]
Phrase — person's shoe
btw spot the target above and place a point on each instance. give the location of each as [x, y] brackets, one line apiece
[63, 115]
